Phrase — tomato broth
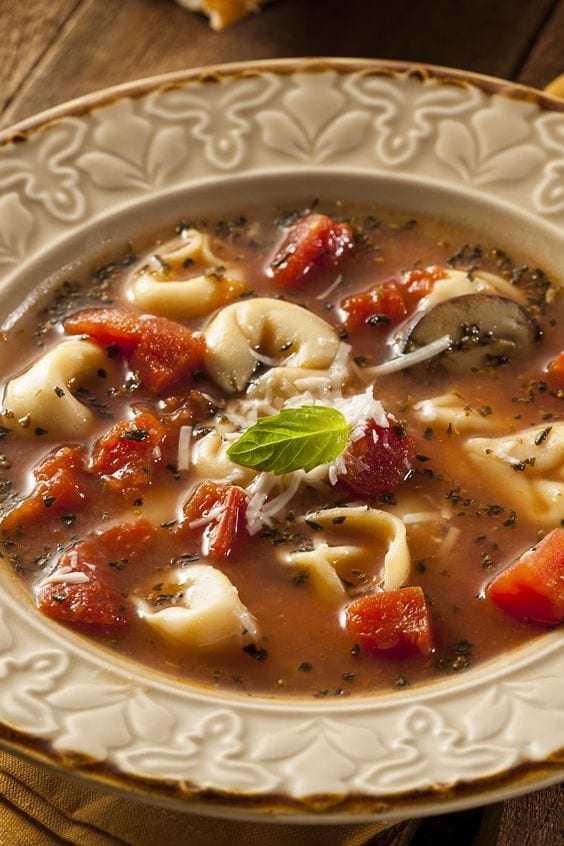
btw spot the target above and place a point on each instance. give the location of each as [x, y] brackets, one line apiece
[104, 513]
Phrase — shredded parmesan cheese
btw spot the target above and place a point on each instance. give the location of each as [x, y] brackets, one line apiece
[420, 517]
[276, 505]
[258, 491]
[64, 575]
[249, 623]
[409, 359]
[184, 439]
[330, 289]
[212, 514]
[264, 359]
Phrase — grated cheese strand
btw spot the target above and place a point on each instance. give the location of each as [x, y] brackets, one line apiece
[409, 359]
[277, 504]
[420, 517]
[324, 294]
[212, 514]
[184, 440]
[68, 577]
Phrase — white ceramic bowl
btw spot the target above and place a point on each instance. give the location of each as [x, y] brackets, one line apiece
[469, 149]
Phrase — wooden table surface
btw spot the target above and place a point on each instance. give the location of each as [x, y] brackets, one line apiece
[56, 50]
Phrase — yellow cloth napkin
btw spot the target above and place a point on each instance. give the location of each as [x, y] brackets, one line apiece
[556, 87]
[39, 808]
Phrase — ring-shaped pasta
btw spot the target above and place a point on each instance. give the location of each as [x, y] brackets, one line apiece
[527, 468]
[207, 614]
[452, 410]
[41, 394]
[284, 333]
[457, 283]
[209, 460]
[153, 288]
[376, 524]
[322, 564]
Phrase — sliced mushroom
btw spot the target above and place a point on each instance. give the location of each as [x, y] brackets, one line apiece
[483, 328]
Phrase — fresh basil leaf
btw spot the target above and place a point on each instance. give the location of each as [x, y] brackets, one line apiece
[296, 439]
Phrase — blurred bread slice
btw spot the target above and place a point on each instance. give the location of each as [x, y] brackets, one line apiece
[222, 12]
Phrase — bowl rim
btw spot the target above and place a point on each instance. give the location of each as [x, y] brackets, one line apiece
[518, 781]
[309, 64]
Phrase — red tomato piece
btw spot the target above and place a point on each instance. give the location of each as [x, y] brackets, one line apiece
[126, 456]
[380, 306]
[201, 500]
[221, 532]
[166, 353]
[230, 524]
[419, 282]
[94, 602]
[555, 372]
[110, 327]
[313, 241]
[162, 351]
[394, 623]
[378, 461]
[125, 540]
[186, 408]
[62, 488]
[532, 587]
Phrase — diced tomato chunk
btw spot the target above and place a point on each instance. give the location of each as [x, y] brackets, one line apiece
[186, 408]
[166, 353]
[126, 456]
[162, 351]
[394, 623]
[110, 327]
[418, 283]
[555, 372]
[378, 461]
[532, 587]
[221, 532]
[391, 301]
[312, 242]
[61, 488]
[125, 541]
[201, 500]
[380, 306]
[230, 524]
[93, 602]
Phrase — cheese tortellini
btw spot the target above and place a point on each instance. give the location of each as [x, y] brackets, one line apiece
[244, 333]
[157, 288]
[206, 613]
[209, 460]
[323, 562]
[458, 283]
[41, 395]
[527, 468]
[452, 410]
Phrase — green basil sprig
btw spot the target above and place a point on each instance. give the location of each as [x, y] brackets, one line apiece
[295, 439]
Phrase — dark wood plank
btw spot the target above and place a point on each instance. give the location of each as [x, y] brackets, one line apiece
[533, 820]
[25, 36]
[545, 60]
[461, 828]
[107, 42]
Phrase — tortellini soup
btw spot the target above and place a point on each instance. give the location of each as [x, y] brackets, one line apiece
[306, 452]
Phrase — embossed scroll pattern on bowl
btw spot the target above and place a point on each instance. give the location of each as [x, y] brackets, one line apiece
[80, 164]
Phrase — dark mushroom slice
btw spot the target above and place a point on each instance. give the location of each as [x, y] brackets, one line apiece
[484, 329]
